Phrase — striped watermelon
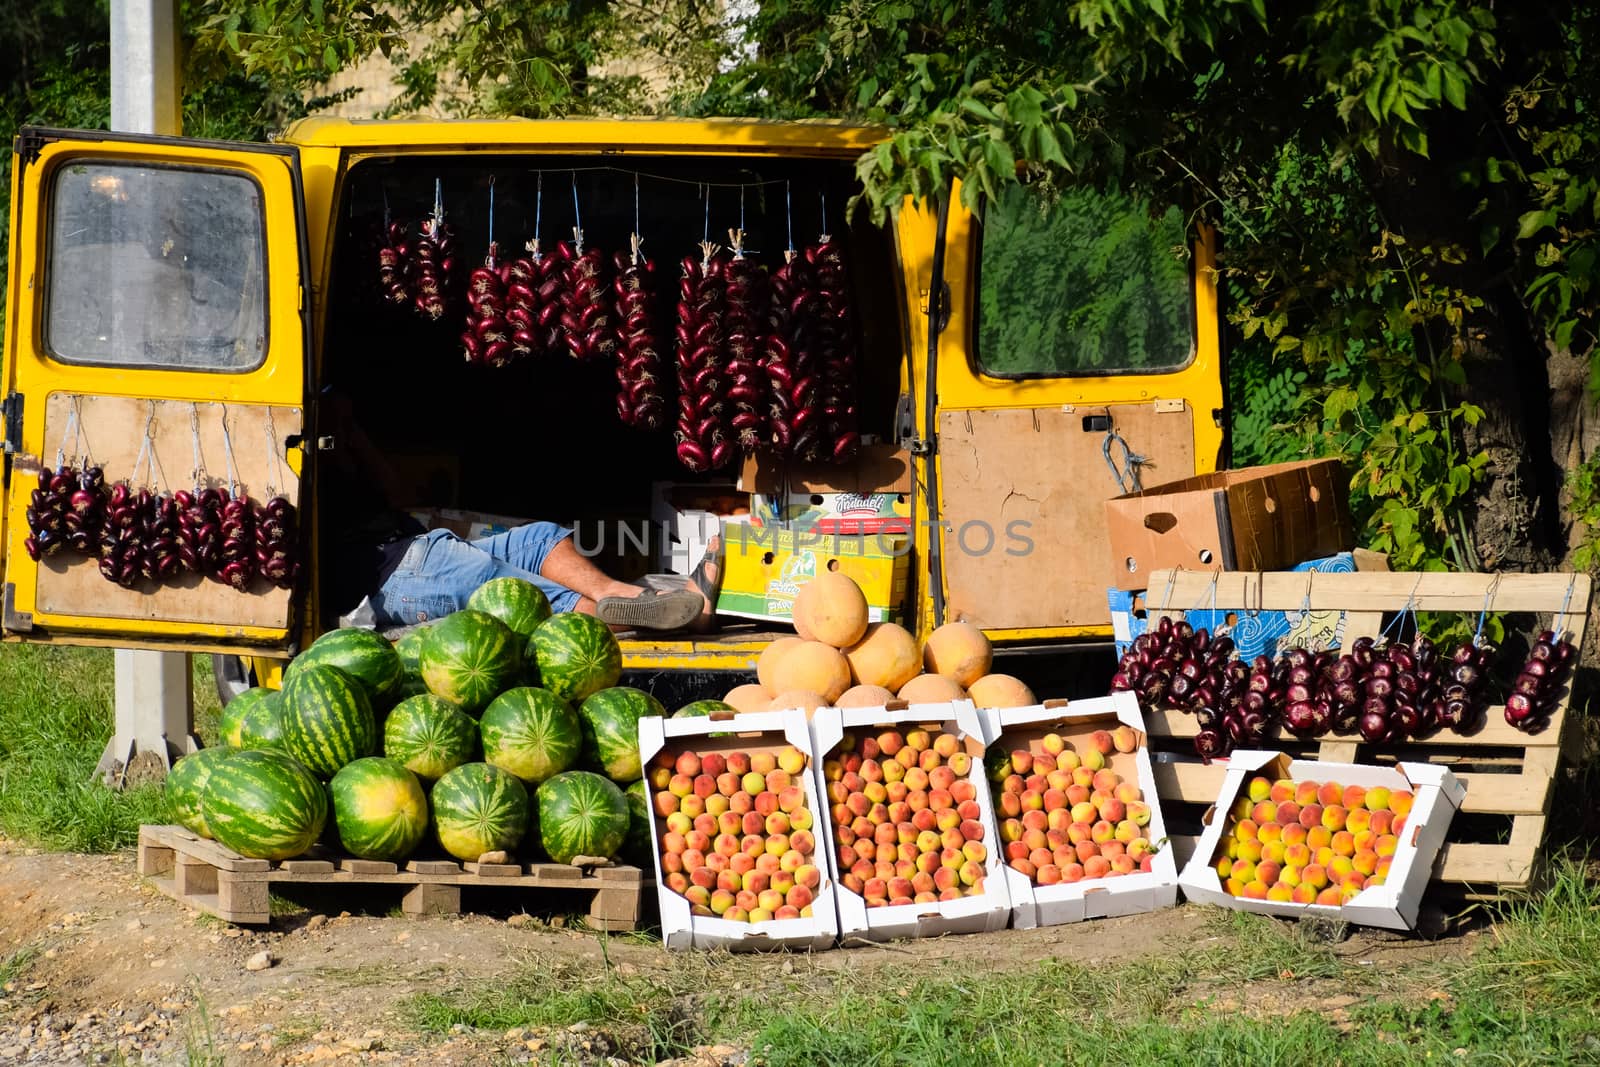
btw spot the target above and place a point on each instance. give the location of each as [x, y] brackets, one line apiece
[577, 655]
[239, 708]
[640, 842]
[264, 805]
[380, 809]
[518, 603]
[479, 808]
[582, 814]
[468, 657]
[429, 735]
[701, 709]
[186, 787]
[409, 648]
[532, 733]
[366, 656]
[327, 719]
[611, 730]
[262, 725]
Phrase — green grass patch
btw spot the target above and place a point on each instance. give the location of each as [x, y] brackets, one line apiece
[55, 719]
[16, 964]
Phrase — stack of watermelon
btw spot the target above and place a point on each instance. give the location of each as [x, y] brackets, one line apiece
[500, 726]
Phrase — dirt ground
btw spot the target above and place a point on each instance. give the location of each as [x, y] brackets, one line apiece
[116, 972]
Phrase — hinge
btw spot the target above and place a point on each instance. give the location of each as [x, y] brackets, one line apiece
[11, 415]
[944, 306]
[29, 144]
[919, 447]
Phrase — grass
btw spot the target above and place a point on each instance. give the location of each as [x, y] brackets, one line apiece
[1529, 995]
[16, 964]
[55, 719]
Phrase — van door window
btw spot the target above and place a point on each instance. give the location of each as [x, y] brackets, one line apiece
[156, 267]
[1085, 284]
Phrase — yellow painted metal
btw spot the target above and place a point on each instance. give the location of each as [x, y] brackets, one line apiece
[30, 371]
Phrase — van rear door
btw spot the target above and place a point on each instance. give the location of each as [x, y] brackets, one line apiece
[1080, 361]
[156, 330]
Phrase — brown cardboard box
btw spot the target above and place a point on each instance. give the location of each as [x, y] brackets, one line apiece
[1254, 519]
[877, 468]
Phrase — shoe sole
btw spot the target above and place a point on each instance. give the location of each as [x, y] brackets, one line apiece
[666, 611]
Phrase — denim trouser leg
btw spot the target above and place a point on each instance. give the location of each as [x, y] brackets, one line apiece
[440, 571]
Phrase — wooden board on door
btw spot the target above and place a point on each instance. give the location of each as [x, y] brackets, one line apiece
[110, 432]
[1002, 468]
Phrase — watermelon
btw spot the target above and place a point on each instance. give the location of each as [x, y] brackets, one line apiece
[262, 724]
[186, 787]
[240, 708]
[409, 648]
[703, 708]
[577, 655]
[264, 805]
[517, 602]
[380, 809]
[532, 733]
[611, 730]
[468, 657]
[327, 719]
[640, 842]
[366, 656]
[479, 808]
[582, 814]
[429, 735]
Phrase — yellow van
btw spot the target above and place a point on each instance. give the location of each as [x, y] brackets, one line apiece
[177, 307]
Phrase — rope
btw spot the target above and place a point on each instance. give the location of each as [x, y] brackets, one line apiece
[538, 208]
[577, 218]
[227, 448]
[491, 209]
[637, 228]
[705, 234]
[194, 441]
[1483, 614]
[1127, 478]
[1410, 606]
[1565, 604]
[788, 215]
[70, 428]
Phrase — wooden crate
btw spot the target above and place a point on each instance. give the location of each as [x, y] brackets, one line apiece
[205, 875]
[1496, 839]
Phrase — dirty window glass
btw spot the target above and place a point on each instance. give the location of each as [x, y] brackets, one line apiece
[1086, 284]
[156, 267]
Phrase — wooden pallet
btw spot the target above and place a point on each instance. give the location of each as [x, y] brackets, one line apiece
[205, 875]
[1496, 840]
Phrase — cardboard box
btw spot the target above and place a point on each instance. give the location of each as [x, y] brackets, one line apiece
[1254, 519]
[877, 468]
[768, 731]
[851, 513]
[1254, 632]
[991, 909]
[1394, 904]
[1128, 894]
[764, 568]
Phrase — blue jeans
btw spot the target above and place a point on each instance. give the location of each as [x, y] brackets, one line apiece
[440, 571]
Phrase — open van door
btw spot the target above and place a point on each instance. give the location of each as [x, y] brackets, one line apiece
[156, 329]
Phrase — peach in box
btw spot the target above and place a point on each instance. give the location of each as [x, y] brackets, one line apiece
[756, 848]
[954, 839]
[1343, 878]
[1124, 863]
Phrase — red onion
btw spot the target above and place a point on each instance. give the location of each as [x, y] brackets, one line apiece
[586, 313]
[790, 360]
[746, 328]
[702, 441]
[641, 386]
[394, 265]
[487, 337]
[434, 267]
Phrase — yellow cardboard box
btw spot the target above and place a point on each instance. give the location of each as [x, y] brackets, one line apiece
[766, 566]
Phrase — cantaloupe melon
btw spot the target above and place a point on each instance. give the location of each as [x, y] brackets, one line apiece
[931, 689]
[815, 667]
[959, 651]
[804, 699]
[886, 656]
[749, 697]
[1000, 691]
[832, 609]
[864, 696]
[770, 656]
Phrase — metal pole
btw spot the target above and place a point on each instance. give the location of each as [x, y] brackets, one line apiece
[154, 690]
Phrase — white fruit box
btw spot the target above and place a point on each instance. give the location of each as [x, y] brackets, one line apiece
[1127, 894]
[768, 731]
[989, 910]
[1393, 905]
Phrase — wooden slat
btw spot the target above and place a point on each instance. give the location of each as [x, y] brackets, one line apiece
[366, 867]
[493, 870]
[1373, 591]
[555, 872]
[218, 856]
[1495, 731]
[433, 867]
[306, 866]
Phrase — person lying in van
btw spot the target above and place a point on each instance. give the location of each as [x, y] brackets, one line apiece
[387, 562]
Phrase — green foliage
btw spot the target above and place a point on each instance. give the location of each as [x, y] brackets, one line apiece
[1583, 488]
[1081, 282]
[1265, 417]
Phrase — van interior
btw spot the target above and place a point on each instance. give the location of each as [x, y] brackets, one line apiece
[540, 438]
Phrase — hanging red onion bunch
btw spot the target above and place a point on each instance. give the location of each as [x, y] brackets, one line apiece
[702, 439]
[66, 510]
[586, 311]
[434, 267]
[487, 338]
[1537, 688]
[641, 388]
[746, 327]
[836, 346]
[277, 542]
[790, 360]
